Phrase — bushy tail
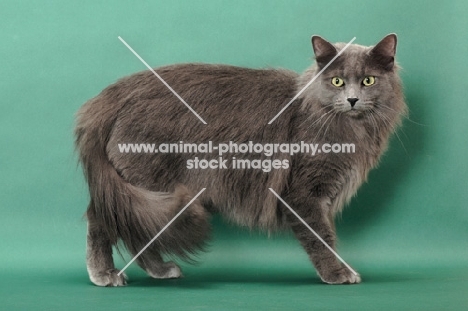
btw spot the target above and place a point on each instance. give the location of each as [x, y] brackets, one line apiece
[126, 212]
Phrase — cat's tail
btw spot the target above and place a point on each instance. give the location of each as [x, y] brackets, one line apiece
[126, 212]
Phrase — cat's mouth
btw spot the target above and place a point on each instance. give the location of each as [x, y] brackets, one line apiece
[353, 111]
[357, 110]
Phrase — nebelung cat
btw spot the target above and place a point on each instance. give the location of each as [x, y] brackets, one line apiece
[358, 100]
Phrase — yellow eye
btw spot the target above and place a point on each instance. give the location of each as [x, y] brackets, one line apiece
[368, 81]
[338, 82]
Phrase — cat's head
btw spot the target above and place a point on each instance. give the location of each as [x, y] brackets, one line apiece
[360, 83]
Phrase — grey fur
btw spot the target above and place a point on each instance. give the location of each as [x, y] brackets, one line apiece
[134, 195]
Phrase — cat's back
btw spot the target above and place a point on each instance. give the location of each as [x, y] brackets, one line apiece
[193, 74]
[224, 96]
[198, 81]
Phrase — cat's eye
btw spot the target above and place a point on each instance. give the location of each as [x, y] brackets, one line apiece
[368, 81]
[338, 82]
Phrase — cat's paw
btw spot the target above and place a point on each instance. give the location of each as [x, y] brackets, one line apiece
[108, 278]
[341, 276]
[168, 270]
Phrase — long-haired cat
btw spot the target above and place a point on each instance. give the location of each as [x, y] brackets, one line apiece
[358, 100]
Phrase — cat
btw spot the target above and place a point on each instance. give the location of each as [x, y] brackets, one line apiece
[358, 100]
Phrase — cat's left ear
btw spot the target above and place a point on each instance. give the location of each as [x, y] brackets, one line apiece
[384, 52]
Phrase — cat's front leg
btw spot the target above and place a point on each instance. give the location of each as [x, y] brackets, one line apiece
[328, 267]
[99, 261]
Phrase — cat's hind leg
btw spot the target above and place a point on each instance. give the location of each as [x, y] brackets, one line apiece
[158, 269]
[99, 261]
[180, 234]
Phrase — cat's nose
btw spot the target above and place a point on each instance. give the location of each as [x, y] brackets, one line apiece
[353, 100]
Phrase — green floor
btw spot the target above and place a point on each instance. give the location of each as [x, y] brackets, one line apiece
[251, 288]
[248, 274]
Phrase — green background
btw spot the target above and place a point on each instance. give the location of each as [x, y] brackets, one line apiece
[406, 231]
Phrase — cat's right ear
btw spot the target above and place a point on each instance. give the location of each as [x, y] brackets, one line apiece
[324, 50]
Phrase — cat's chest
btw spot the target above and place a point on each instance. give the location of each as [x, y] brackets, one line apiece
[353, 178]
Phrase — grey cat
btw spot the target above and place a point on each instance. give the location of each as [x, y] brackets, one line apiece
[358, 99]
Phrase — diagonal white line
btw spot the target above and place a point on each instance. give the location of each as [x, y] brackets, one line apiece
[160, 232]
[315, 233]
[161, 79]
[313, 79]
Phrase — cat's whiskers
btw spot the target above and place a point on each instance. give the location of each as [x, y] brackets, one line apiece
[341, 107]
[384, 118]
[387, 120]
[323, 124]
[315, 113]
[331, 121]
[395, 128]
[373, 121]
[318, 120]
[404, 116]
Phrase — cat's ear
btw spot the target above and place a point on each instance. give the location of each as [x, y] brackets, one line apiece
[384, 52]
[324, 50]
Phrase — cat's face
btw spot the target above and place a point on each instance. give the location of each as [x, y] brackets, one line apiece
[354, 87]
[361, 82]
